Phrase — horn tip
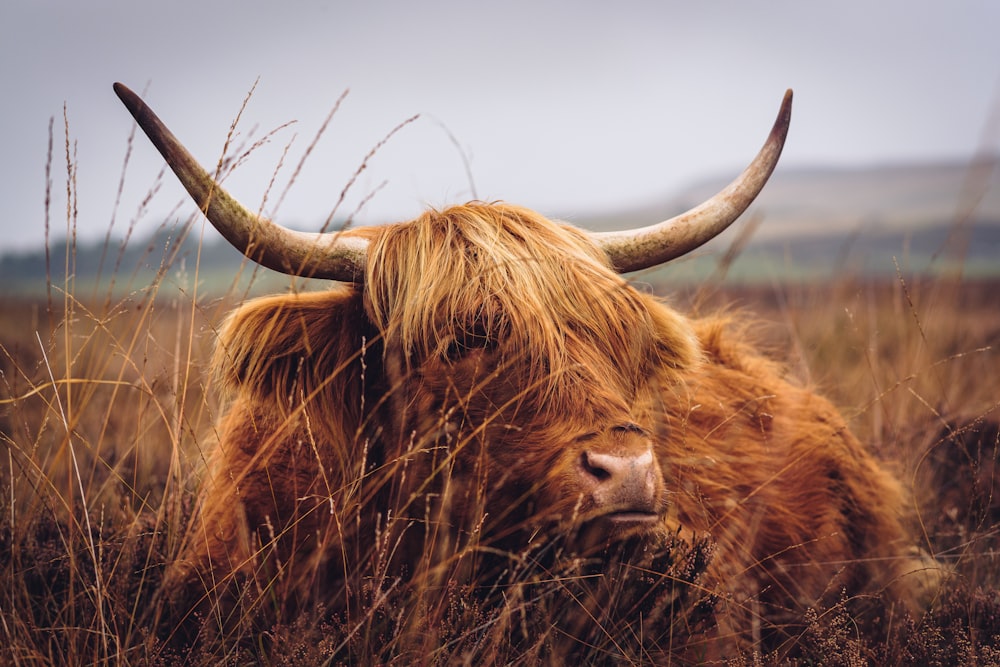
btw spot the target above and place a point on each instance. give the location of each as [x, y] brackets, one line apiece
[786, 102]
[784, 118]
[128, 98]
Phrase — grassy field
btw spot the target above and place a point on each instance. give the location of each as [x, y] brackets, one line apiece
[106, 414]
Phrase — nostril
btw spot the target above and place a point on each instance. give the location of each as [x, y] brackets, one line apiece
[591, 465]
[627, 469]
[620, 483]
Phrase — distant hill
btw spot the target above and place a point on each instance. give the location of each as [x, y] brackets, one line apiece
[807, 224]
[820, 222]
[172, 255]
[845, 201]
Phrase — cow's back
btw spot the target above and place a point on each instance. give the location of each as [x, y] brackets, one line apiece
[801, 513]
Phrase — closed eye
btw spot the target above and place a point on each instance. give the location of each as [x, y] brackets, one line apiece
[635, 429]
[478, 335]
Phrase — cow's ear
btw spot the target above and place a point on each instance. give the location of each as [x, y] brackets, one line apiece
[679, 349]
[286, 347]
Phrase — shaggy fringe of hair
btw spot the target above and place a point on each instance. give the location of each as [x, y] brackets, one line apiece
[486, 269]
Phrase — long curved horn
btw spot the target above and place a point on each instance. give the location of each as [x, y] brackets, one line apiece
[636, 249]
[333, 255]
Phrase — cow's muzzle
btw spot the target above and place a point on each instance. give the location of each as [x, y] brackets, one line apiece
[624, 488]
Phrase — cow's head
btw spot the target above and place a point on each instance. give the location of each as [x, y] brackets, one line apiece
[531, 368]
[513, 356]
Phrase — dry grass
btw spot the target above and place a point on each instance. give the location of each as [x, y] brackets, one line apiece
[106, 418]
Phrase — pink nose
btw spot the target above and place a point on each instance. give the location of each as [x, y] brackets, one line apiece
[621, 482]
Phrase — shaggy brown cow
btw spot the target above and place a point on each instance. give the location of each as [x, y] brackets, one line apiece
[487, 381]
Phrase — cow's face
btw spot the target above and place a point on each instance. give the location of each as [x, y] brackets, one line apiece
[516, 452]
[532, 396]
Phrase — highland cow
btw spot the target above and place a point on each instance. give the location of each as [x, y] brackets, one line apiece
[484, 380]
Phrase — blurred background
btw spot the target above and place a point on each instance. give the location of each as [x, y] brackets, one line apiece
[607, 116]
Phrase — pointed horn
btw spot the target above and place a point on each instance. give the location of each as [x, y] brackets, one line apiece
[636, 249]
[333, 256]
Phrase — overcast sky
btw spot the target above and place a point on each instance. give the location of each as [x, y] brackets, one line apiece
[563, 107]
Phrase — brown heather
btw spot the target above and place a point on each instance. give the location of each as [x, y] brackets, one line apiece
[910, 364]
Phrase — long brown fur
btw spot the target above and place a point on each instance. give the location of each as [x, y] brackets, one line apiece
[438, 414]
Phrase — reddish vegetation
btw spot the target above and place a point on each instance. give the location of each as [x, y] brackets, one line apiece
[902, 356]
